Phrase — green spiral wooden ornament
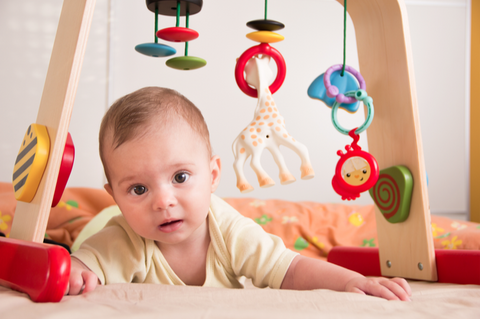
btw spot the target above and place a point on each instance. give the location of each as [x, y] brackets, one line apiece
[393, 193]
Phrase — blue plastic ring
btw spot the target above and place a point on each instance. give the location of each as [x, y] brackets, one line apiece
[360, 95]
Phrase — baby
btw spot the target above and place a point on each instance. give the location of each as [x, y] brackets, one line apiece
[155, 149]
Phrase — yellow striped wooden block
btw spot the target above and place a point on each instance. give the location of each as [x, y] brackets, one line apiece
[31, 161]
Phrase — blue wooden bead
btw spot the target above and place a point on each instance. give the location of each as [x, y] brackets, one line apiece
[155, 49]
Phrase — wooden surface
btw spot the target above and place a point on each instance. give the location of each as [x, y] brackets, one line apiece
[55, 110]
[475, 115]
[386, 63]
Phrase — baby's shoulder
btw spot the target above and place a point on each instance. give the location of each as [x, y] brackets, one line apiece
[115, 230]
[118, 221]
[222, 210]
[225, 215]
[119, 225]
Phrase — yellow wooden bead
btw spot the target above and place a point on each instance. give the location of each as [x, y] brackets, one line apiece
[265, 36]
[31, 161]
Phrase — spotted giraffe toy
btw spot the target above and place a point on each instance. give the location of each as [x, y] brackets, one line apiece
[266, 131]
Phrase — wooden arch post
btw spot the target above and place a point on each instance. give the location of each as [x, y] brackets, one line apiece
[386, 63]
[54, 112]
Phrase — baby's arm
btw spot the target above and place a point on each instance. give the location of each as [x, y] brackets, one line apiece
[308, 273]
[81, 277]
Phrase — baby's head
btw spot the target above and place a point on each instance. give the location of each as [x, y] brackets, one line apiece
[138, 113]
[155, 149]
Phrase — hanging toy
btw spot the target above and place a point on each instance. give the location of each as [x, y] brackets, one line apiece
[264, 35]
[356, 171]
[267, 129]
[265, 28]
[179, 34]
[341, 86]
[174, 34]
[331, 86]
[155, 49]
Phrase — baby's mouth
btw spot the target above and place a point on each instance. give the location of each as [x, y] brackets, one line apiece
[170, 222]
[170, 226]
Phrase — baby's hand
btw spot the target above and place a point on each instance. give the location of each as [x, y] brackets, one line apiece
[81, 279]
[390, 289]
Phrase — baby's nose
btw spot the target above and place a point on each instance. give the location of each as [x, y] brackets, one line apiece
[164, 198]
[356, 176]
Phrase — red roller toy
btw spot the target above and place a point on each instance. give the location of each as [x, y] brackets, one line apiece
[41, 271]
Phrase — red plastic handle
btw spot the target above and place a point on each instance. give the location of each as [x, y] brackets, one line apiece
[65, 170]
[40, 270]
[262, 48]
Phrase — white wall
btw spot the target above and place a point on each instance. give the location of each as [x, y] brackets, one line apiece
[27, 33]
[440, 49]
[314, 31]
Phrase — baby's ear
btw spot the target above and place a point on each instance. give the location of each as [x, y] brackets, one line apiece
[216, 171]
[108, 188]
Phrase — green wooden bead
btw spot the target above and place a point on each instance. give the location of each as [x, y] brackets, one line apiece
[186, 63]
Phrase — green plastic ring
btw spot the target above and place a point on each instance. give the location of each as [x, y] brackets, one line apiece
[360, 95]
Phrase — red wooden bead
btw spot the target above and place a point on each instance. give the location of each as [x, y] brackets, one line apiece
[177, 34]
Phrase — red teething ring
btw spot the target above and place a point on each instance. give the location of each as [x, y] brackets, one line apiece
[262, 48]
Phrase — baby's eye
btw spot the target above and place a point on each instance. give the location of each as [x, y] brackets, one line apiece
[181, 177]
[348, 174]
[364, 171]
[139, 190]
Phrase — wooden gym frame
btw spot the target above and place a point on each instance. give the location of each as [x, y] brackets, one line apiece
[386, 63]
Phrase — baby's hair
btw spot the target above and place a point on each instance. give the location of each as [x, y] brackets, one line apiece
[133, 115]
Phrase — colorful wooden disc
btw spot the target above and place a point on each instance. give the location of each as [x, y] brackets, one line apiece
[177, 34]
[31, 161]
[265, 25]
[393, 193]
[155, 50]
[65, 169]
[169, 7]
[186, 63]
[265, 37]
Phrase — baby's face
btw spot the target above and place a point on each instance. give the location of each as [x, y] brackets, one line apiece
[162, 183]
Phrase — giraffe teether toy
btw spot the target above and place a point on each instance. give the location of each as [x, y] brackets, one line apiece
[266, 131]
